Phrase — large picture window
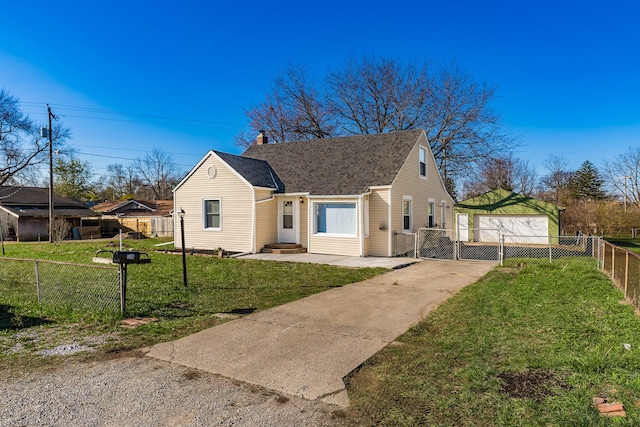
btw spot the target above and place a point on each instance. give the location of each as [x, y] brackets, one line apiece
[212, 214]
[336, 218]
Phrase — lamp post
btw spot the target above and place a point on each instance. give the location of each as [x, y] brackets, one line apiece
[184, 257]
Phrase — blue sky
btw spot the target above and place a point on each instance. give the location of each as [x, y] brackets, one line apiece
[567, 71]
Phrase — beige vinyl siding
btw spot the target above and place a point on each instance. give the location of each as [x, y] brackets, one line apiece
[304, 223]
[409, 183]
[236, 202]
[266, 219]
[333, 245]
[379, 217]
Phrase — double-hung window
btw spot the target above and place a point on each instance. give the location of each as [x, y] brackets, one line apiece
[431, 206]
[212, 214]
[423, 162]
[336, 218]
[406, 214]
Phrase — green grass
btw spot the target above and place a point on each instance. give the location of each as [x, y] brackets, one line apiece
[627, 243]
[526, 346]
[154, 290]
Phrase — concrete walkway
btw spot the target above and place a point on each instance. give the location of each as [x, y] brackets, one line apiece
[344, 261]
[305, 348]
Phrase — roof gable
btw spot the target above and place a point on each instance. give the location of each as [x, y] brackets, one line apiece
[504, 201]
[338, 166]
[257, 172]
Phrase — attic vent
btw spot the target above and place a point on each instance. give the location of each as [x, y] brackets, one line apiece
[211, 171]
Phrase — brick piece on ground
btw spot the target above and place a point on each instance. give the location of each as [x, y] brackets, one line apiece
[613, 409]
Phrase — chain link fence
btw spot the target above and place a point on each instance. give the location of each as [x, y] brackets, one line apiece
[623, 267]
[555, 247]
[479, 244]
[492, 245]
[79, 286]
[404, 244]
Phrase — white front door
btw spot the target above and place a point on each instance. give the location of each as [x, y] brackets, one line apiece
[288, 221]
[463, 227]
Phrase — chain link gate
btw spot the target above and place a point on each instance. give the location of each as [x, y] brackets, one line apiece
[435, 243]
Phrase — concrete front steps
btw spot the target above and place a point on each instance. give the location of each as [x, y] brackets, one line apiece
[283, 248]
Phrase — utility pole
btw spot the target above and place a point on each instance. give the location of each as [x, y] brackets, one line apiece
[625, 191]
[51, 116]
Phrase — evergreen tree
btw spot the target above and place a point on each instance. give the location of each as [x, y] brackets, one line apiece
[586, 183]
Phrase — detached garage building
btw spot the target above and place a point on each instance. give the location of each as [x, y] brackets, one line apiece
[525, 220]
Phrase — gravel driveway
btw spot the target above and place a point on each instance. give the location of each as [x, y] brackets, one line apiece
[132, 390]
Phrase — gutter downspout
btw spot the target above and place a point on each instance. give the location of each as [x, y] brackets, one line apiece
[253, 221]
[361, 209]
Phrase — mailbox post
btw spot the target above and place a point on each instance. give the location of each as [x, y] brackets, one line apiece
[124, 258]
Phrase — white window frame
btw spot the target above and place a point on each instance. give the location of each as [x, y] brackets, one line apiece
[431, 212]
[316, 207]
[443, 214]
[204, 213]
[410, 200]
[421, 150]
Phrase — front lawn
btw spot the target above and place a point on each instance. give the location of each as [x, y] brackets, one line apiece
[529, 345]
[215, 286]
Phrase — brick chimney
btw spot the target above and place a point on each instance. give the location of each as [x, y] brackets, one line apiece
[262, 138]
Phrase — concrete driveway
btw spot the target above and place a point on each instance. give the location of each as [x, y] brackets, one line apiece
[305, 348]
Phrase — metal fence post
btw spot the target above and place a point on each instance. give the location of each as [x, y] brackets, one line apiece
[123, 288]
[38, 280]
[626, 274]
[613, 262]
[550, 251]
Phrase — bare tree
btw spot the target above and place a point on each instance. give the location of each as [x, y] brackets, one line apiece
[506, 172]
[556, 185]
[293, 110]
[21, 146]
[622, 173]
[120, 181]
[376, 95]
[158, 172]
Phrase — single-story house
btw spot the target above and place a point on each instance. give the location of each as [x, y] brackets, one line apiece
[483, 218]
[151, 218]
[342, 196]
[24, 212]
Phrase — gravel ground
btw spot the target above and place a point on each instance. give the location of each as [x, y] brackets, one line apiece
[133, 390]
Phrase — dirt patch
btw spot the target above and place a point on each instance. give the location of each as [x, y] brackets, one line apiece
[536, 384]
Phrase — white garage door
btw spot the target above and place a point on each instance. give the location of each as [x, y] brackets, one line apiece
[520, 229]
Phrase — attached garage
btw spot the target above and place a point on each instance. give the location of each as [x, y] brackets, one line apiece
[522, 219]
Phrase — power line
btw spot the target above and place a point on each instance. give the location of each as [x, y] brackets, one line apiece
[121, 113]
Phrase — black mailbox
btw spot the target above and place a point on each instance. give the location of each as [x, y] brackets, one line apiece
[130, 257]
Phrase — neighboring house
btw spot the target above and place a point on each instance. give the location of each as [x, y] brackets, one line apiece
[484, 217]
[343, 196]
[24, 212]
[150, 218]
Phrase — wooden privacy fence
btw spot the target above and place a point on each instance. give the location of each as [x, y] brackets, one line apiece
[623, 267]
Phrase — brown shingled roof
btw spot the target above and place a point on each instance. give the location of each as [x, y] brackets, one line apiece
[338, 166]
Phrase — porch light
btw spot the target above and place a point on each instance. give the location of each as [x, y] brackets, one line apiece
[301, 200]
